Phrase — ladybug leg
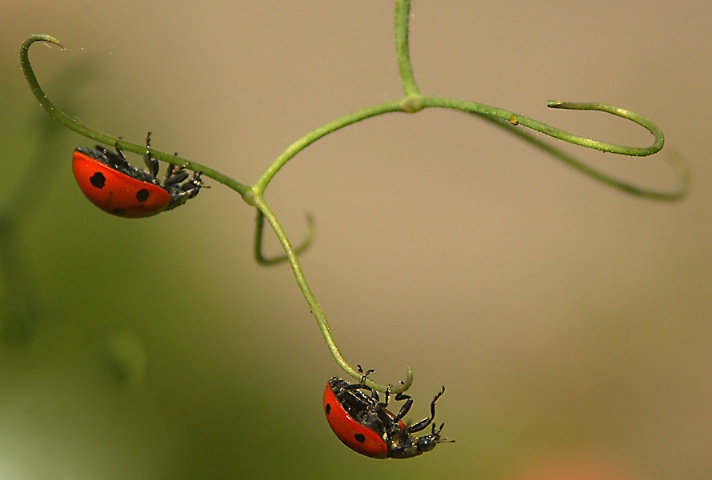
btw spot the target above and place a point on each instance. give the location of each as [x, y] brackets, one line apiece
[170, 179]
[362, 384]
[119, 152]
[151, 163]
[175, 175]
[388, 397]
[182, 192]
[198, 181]
[406, 406]
[192, 187]
[364, 375]
[116, 159]
[416, 427]
[386, 417]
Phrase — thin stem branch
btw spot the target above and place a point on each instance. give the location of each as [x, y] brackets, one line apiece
[410, 87]
[331, 127]
[316, 309]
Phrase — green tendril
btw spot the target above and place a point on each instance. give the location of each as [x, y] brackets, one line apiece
[518, 119]
[263, 260]
[677, 163]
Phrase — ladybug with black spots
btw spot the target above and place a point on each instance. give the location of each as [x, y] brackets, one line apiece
[117, 187]
[364, 424]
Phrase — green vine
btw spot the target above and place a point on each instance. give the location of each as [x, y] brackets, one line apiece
[412, 102]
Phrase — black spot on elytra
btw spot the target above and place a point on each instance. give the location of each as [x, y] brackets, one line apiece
[142, 195]
[328, 408]
[98, 180]
[360, 438]
[119, 211]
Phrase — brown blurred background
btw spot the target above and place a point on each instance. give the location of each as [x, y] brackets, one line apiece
[571, 323]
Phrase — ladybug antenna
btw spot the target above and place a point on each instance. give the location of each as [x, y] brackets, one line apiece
[436, 434]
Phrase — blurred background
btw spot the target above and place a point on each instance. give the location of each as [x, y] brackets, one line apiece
[570, 323]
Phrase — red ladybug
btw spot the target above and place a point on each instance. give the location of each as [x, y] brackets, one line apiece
[365, 425]
[117, 187]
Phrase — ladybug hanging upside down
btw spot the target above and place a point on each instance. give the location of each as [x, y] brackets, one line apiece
[365, 425]
[117, 187]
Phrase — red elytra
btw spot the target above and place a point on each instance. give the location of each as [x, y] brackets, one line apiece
[116, 192]
[354, 435]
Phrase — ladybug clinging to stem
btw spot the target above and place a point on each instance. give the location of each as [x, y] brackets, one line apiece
[364, 424]
[117, 187]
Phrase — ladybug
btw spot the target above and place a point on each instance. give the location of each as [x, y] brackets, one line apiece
[117, 187]
[365, 425]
